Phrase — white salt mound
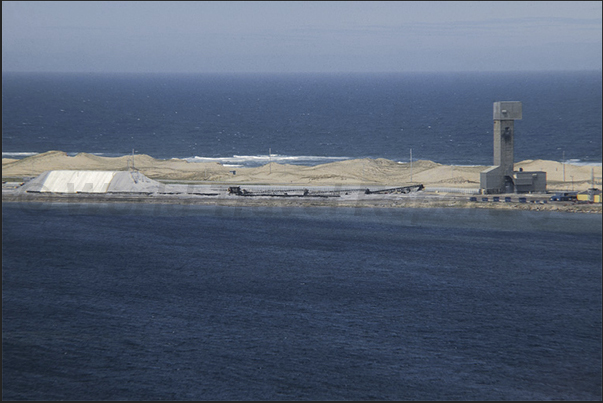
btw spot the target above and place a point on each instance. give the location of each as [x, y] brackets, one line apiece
[66, 181]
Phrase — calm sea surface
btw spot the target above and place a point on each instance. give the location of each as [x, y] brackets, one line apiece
[302, 119]
[123, 301]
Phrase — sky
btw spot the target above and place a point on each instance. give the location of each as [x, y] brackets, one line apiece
[300, 36]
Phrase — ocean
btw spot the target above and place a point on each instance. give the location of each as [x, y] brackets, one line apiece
[249, 120]
[152, 302]
[176, 302]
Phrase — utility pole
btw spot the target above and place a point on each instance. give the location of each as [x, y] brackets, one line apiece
[411, 164]
[563, 163]
[130, 162]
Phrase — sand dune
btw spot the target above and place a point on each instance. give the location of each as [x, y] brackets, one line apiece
[347, 172]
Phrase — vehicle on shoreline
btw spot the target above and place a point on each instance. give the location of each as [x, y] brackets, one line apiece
[565, 196]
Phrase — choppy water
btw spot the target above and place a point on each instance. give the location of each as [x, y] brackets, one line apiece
[301, 119]
[110, 302]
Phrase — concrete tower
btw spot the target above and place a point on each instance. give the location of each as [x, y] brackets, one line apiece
[502, 177]
[505, 114]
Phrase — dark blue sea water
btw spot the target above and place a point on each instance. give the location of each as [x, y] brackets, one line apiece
[303, 119]
[125, 301]
[110, 302]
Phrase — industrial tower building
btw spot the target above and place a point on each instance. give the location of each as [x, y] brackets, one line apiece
[502, 177]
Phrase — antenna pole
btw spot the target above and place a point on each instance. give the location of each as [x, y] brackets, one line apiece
[411, 164]
[563, 163]
[133, 159]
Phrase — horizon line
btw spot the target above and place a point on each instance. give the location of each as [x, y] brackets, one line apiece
[598, 70]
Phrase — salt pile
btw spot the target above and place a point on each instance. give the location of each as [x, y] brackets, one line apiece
[67, 181]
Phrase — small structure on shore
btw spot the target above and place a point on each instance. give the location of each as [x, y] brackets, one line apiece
[592, 195]
[502, 177]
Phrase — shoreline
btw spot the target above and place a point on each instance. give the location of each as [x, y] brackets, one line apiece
[361, 172]
[201, 183]
[419, 200]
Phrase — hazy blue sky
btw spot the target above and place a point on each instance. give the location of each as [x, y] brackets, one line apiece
[289, 36]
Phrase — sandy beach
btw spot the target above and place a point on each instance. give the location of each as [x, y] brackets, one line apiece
[349, 172]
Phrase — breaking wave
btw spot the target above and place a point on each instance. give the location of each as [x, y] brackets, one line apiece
[18, 154]
[239, 161]
[258, 160]
[582, 163]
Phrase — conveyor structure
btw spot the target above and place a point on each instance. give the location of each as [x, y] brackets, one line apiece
[303, 192]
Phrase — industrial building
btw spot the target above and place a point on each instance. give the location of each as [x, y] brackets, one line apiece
[502, 177]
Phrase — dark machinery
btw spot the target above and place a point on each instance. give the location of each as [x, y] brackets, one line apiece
[299, 192]
[402, 189]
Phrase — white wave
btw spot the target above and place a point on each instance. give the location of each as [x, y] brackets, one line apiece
[17, 154]
[449, 164]
[247, 160]
[581, 163]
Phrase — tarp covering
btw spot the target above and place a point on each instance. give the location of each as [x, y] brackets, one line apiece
[92, 182]
[77, 181]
